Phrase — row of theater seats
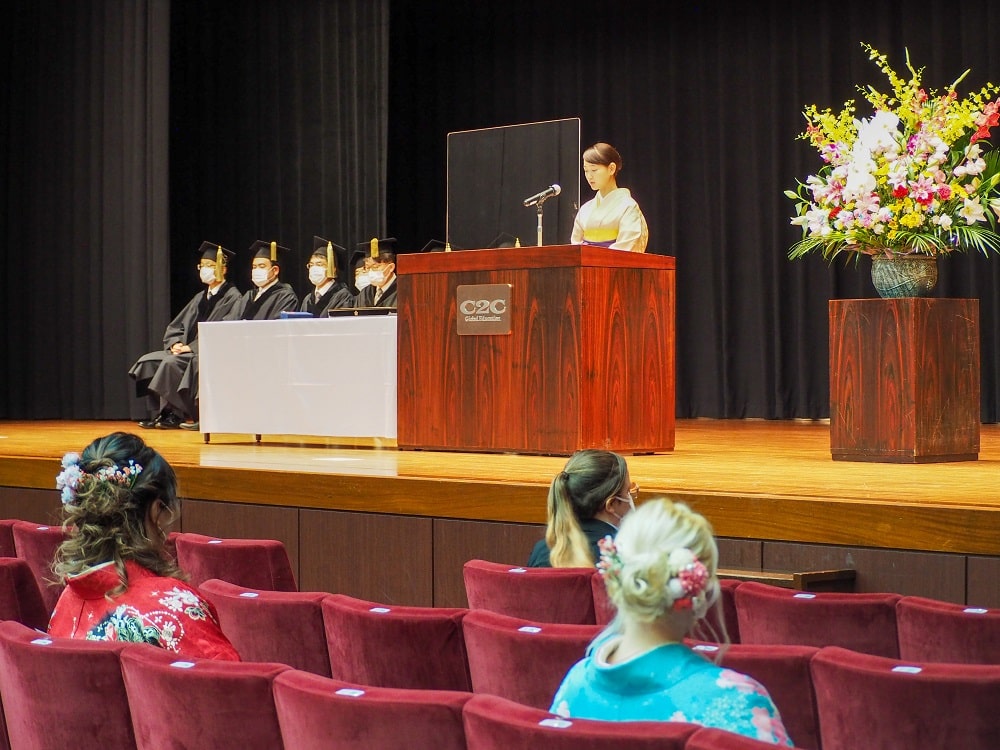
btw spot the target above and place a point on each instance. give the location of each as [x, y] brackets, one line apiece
[890, 625]
[523, 659]
[59, 693]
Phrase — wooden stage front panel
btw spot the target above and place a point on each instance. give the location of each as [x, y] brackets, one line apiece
[366, 519]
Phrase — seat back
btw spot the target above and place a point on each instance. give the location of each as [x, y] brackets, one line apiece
[872, 701]
[200, 702]
[36, 544]
[561, 595]
[784, 671]
[395, 646]
[253, 563]
[931, 630]
[59, 692]
[20, 597]
[316, 712]
[495, 723]
[711, 738]
[277, 626]
[521, 660]
[862, 622]
[7, 548]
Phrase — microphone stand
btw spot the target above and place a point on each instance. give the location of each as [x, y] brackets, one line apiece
[538, 211]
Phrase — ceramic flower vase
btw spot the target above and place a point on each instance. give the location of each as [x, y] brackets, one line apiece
[904, 275]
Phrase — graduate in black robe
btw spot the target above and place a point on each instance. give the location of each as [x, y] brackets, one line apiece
[326, 273]
[162, 376]
[270, 296]
[380, 268]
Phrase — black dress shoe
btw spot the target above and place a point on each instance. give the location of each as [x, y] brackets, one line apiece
[169, 421]
[148, 424]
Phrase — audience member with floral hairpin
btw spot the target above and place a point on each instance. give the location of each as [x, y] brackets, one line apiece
[660, 573]
[119, 497]
[587, 501]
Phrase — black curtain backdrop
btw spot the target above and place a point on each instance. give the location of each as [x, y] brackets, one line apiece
[289, 118]
[85, 251]
[704, 102]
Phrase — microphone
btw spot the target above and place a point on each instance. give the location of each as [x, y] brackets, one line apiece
[550, 191]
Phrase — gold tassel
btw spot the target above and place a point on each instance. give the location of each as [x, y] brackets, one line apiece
[218, 263]
[331, 261]
[274, 252]
[374, 247]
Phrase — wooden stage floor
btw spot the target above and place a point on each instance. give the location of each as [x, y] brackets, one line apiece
[753, 479]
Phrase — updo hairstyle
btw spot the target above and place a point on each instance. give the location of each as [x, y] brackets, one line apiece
[106, 520]
[653, 544]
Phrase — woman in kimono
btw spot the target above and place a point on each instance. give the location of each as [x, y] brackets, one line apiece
[119, 497]
[611, 218]
[660, 573]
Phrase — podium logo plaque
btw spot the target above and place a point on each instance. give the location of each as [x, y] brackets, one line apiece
[482, 309]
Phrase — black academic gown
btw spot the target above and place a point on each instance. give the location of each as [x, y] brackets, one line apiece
[367, 296]
[336, 296]
[162, 377]
[276, 300]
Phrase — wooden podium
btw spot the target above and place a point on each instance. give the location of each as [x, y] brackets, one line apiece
[904, 380]
[588, 361]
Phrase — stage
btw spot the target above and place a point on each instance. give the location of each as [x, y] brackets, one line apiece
[770, 488]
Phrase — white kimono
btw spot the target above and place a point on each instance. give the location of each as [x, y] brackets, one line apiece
[613, 220]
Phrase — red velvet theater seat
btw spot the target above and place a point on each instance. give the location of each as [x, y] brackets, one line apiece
[20, 598]
[317, 712]
[561, 595]
[384, 645]
[60, 693]
[280, 626]
[37, 544]
[867, 701]
[931, 630]
[710, 738]
[254, 563]
[521, 660]
[861, 622]
[200, 703]
[494, 723]
[784, 671]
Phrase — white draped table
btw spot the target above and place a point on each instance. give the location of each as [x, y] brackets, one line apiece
[333, 377]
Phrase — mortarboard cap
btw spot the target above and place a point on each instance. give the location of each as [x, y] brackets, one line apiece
[277, 254]
[336, 256]
[379, 245]
[217, 253]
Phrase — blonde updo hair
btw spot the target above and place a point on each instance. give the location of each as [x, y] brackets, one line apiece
[650, 545]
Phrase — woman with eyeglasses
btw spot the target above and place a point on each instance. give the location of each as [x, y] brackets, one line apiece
[587, 501]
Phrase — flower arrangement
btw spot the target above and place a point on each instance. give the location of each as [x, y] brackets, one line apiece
[915, 178]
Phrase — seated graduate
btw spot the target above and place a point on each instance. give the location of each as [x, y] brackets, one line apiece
[660, 573]
[270, 296]
[162, 377]
[380, 270]
[611, 218]
[330, 291]
[119, 499]
[587, 501]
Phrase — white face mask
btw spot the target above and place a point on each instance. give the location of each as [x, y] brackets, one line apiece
[317, 275]
[362, 280]
[207, 275]
[376, 277]
[260, 276]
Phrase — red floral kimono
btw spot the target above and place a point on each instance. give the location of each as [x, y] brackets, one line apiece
[165, 612]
